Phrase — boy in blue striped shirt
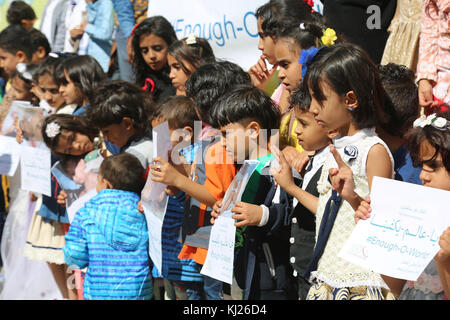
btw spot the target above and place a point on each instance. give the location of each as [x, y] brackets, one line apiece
[110, 237]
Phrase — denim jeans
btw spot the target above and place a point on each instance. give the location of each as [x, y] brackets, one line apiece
[125, 68]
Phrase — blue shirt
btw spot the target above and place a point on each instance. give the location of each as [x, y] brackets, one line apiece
[403, 167]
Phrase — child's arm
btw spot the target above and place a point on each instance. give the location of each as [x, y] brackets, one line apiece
[442, 260]
[283, 176]
[164, 172]
[76, 250]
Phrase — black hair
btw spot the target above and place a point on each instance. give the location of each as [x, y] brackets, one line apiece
[84, 71]
[300, 99]
[275, 11]
[16, 38]
[439, 139]
[70, 123]
[114, 100]
[48, 67]
[212, 80]
[195, 53]
[124, 171]
[401, 105]
[179, 111]
[245, 103]
[38, 39]
[18, 11]
[346, 67]
[159, 26]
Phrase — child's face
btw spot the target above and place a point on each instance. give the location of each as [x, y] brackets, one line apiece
[331, 113]
[154, 51]
[70, 92]
[287, 55]
[266, 44]
[51, 91]
[9, 61]
[177, 74]
[311, 136]
[119, 134]
[433, 172]
[239, 140]
[73, 143]
[20, 91]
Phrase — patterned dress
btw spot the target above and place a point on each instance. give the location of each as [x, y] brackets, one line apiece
[336, 278]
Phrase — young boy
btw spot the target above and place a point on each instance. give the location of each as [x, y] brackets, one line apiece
[180, 274]
[122, 111]
[110, 237]
[212, 170]
[401, 109]
[247, 119]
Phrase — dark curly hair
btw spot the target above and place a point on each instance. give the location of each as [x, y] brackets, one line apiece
[195, 54]
[401, 106]
[438, 139]
[114, 100]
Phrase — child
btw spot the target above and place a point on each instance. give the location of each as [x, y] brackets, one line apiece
[122, 111]
[292, 39]
[182, 274]
[212, 170]
[313, 138]
[184, 57]
[99, 27]
[345, 93]
[433, 73]
[400, 109]
[247, 119]
[45, 78]
[109, 236]
[78, 77]
[22, 83]
[40, 46]
[151, 41]
[428, 143]
[21, 13]
[268, 15]
[15, 47]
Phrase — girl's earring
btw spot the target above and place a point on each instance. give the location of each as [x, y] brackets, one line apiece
[350, 109]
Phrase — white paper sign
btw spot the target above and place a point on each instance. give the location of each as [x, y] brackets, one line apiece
[154, 198]
[79, 203]
[401, 236]
[35, 165]
[9, 155]
[220, 257]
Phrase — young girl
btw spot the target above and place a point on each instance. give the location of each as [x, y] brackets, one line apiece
[77, 77]
[151, 40]
[19, 280]
[292, 38]
[429, 145]
[23, 84]
[345, 93]
[184, 57]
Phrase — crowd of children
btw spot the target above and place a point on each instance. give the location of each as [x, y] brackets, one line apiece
[336, 120]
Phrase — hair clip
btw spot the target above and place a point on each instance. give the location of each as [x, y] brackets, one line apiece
[436, 122]
[52, 130]
[191, 39]
[302, 26]
[22, 69]
[329, 37]
[306, 57]
[134, 29]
